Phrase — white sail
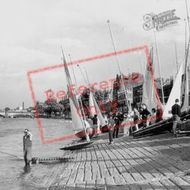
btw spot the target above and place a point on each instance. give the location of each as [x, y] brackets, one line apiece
[95, 110]
[174, 94]
[77, 122]
[149, 90]
[77, 118]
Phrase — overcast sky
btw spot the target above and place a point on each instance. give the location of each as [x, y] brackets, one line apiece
[32, 32]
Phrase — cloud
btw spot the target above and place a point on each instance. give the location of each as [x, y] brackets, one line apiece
[32, 32]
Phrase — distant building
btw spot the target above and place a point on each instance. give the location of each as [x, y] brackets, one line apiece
[125, 94]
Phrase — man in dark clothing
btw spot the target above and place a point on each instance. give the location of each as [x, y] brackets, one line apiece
[176, 112]
[159, 113]
[111, 125]
[144, 114]
[95, 120]
[96, 125]
[27, 147]
[116, 126]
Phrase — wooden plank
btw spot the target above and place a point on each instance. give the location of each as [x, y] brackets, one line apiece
[109, 180]
[145, 186]
[106, 175]
[64, 177]
[93, 155]
[157, 185]
[153, 168]
[113, 168]
[53, 181]
[131, 166]
[72, 177]
[88, 155]
[88, 171]
[95, 170]
[168, 184]
[90, 184]
[124, 176]
[80, 176]
[79, 185]
[128, 178]
[186, 178]
[144, 170]
[133, 161]
[159, 164]
[134, 187]
[83, 155]
[180, 182]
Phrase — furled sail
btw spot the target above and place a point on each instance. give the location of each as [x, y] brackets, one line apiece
[186, 90]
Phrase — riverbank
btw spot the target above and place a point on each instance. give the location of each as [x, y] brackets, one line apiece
[12, 171]
[157, 162]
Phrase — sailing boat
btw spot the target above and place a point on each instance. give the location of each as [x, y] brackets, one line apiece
[150, 95]
[95, 110]
[78, 119]
[174, 94]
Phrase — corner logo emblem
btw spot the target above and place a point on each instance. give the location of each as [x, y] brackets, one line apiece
[160, 21]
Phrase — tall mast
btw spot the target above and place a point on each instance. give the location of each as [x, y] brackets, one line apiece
[86, 80]
[78, 101]
[118, 65]
[185, 102]
[187, 49]
[176, 58]
[79, 98]
[158, 61]
[72, 69]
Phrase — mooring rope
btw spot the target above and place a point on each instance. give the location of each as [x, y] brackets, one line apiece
[36, 160]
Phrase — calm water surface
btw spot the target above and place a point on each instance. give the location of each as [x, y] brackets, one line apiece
[11, 150]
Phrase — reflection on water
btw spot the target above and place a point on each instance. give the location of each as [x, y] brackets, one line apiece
[12, 170]
[27, 169]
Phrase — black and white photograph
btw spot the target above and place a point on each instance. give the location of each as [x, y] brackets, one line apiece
[95, 94]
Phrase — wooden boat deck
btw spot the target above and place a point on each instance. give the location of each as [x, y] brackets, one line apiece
[126, 164]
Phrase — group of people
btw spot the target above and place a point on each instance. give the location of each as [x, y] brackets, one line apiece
[135, 119]
[138, 118]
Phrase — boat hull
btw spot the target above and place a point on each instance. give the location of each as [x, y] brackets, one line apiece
[165, 125]
[82, 134]
[104, 129]
[76, 146]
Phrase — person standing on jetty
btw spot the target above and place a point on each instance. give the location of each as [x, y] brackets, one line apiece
[116, 126]
[96, 125]
[111, 125]
[118, 118]
[145, 114]
[27, 147]
[176, 112]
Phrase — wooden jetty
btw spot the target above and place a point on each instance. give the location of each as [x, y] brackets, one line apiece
[153, 163]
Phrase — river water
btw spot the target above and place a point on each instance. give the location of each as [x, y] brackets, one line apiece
[11, 149]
